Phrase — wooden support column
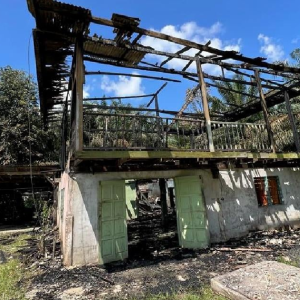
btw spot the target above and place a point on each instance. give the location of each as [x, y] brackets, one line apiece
[205, 105]
[163, 201]
[79, 81]
[171, 196]
[156, 106]
[292, 121]
[265, 110]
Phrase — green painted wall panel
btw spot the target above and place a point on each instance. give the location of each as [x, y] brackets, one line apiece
[113, 242]
[192, 222]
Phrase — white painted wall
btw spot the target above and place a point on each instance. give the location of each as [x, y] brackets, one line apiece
[232, 206]
[231, 202]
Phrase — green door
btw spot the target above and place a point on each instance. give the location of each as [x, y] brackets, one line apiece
[112, 222]
[191, 215]
[131, 203]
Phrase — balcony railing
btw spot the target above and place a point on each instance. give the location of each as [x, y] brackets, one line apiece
[115, 131]
[229, 136]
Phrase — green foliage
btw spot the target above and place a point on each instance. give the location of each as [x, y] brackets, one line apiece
[230, 100]
[21, 129]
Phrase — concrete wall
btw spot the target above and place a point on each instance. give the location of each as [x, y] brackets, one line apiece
[232, 207]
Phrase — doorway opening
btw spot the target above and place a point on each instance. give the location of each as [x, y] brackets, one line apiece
[146, 219]
[151, 218]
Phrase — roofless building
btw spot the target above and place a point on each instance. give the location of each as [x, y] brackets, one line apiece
[231, 175]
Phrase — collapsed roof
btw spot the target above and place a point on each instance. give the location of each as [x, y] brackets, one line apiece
[60, 25]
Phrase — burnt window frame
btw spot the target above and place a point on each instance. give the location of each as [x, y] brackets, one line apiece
[267, 190]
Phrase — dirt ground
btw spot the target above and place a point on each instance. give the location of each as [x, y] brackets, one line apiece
[166, 270]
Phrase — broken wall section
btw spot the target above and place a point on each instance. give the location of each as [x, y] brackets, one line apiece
[231, 204]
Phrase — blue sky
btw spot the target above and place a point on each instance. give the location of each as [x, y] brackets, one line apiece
[256, 28]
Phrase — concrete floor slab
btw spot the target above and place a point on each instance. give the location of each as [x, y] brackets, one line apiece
[268, 280]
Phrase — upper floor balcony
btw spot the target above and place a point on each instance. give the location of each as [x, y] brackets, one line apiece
[247, 105]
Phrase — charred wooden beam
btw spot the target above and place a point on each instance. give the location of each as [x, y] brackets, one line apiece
[205, 106]
[217, 78]
[163, 111]
[79, 77]
[231, 90]
[227, 54]
[136, 39]
[140, 48]
[178, 52]
[265, 111]
[156, 94]
[197, 54]
[130, 75]
[252, 77]
[251, 67]
[189, 99]
[137, 67]
[171, 71]
[115, 98]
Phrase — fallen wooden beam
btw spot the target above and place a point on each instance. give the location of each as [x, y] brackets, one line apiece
[244, 249]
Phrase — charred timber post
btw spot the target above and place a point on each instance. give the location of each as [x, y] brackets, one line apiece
[265, 110]
[79, 79]
[157, 118]
[205, 105]
[292, 120]
[163, 201]
[156, 94]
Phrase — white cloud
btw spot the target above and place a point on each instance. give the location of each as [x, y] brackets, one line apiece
[190, 31]
[86, 91]
[273, 51]
[124, 86]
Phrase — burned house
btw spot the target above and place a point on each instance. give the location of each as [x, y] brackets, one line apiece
[231, 173]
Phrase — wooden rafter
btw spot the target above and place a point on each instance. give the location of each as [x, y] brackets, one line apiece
[225, 54]
[156, 94]
[178, 52]
[131, 75]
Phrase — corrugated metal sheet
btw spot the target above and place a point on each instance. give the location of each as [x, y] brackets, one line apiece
[117, 53]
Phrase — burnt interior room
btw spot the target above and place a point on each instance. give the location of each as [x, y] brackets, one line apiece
[151, 218]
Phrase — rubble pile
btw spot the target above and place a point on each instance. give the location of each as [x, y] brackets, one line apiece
[170, 269]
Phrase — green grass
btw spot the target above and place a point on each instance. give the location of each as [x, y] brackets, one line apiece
[12, 272]
[16, 243]
[293, 263]
[204, 293]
